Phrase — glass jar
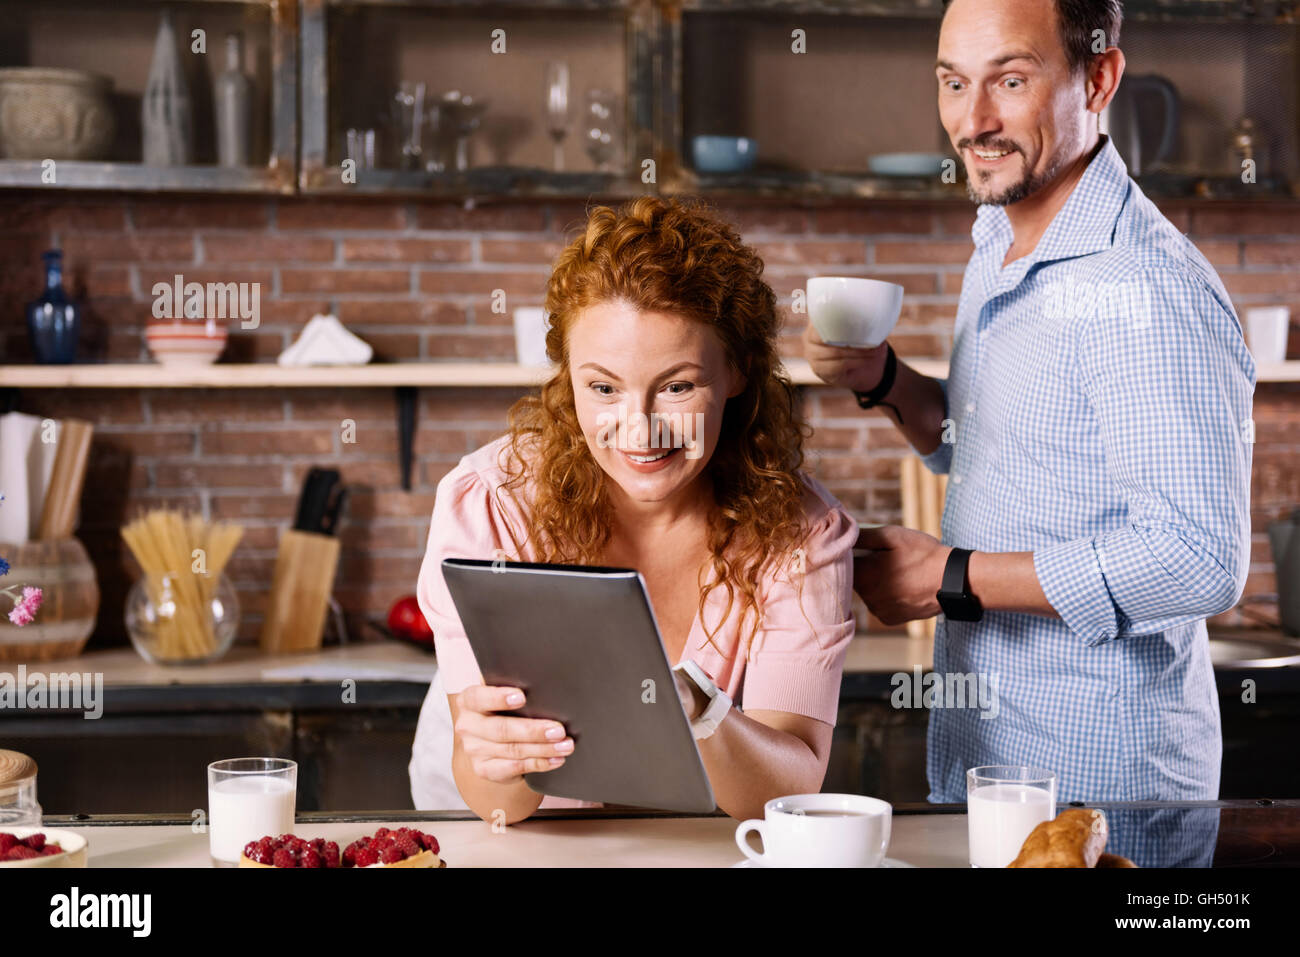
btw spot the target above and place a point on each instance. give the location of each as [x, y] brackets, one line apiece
[18, 807]
[189, 618]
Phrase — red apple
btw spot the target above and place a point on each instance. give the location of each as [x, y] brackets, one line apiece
[405, 620]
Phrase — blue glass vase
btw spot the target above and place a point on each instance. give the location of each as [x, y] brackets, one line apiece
[54, 320]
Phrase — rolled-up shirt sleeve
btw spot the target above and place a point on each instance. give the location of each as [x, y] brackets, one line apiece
[466, 523]
[797, 656]
[1166, 370]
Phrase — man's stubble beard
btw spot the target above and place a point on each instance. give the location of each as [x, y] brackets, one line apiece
[1029, 184]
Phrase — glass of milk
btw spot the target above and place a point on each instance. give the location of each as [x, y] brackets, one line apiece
[248, 798]
[1003, 804]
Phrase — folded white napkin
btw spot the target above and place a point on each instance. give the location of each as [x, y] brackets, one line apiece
[26, 464]
[324, 341]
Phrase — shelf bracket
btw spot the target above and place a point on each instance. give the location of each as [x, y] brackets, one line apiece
[406, 396]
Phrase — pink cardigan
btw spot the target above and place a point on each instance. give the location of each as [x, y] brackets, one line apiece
[795, 660]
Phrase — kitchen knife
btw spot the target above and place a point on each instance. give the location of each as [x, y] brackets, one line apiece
[329, 521]
[314, 498]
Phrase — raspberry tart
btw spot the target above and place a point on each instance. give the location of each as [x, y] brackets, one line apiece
[404, 847]
[41, 847]
[15, 848]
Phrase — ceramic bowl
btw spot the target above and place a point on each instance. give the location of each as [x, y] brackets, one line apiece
[186, 343]
[55, 114]
[724, 154]
[906, 164]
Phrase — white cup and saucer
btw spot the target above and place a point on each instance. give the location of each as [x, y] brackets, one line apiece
[820, 830]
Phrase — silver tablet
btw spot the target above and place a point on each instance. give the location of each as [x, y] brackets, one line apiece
[583, 645]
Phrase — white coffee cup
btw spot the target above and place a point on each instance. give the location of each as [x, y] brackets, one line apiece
[530, 336]
[819, 830]
[852, 311]
[1267, 329]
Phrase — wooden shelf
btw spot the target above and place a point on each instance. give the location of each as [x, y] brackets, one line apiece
[268, 375]
[1184, 10]
[262, 375]
[405, 378]
[813, 185]
[511, 5]
[1278, 371]
[302, 138]
[523, 183]
[520, 182]
[73, 174]
[1212, 11]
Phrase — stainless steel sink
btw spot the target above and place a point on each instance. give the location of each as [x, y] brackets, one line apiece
[1248, 651]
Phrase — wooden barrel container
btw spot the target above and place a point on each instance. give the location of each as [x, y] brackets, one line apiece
[62, 570]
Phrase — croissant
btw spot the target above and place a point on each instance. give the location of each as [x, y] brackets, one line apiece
[1076, 838]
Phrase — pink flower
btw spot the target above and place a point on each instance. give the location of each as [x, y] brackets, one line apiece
[24, 612]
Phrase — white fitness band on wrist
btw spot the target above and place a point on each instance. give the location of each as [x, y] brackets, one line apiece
[719, 702]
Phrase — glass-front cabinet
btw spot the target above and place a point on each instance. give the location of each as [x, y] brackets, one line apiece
[787, 98]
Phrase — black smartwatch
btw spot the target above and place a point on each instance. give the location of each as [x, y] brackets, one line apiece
[954, 595]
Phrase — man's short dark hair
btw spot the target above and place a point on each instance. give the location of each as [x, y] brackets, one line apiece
[1079, 22]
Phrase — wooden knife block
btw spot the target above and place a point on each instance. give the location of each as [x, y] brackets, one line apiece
[300, 592]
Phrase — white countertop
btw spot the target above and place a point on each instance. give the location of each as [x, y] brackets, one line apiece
[924, 840]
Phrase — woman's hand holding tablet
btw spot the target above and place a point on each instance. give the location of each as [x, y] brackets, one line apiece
[502, 748]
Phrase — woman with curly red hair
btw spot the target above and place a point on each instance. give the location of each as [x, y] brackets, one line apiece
[668, 440]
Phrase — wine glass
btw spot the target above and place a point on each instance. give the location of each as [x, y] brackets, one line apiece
[558, 114]
[438, 125]
[408, 104]
[361, 147]
[602, 127]
[464, 115]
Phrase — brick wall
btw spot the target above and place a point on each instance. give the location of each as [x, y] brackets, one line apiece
[413, 279]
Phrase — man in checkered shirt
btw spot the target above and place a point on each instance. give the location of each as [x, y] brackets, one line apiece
[1095, 429]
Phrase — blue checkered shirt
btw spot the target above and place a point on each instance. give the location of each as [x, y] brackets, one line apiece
[1099, 402]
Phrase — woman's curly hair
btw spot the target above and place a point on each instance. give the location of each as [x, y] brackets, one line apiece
[669, 256]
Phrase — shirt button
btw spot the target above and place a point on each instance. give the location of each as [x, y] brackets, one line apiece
[956, 480]
[984, 334]
[970, 406]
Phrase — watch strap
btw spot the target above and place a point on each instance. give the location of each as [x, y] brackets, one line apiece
[955, 575]
[719, 701]
[869, 400]
[707, 723]
[955, 599]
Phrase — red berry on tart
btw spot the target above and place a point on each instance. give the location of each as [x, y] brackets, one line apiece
[15, 848]
[404, 847]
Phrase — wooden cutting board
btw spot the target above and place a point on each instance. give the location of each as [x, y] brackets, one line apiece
[59, 514]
